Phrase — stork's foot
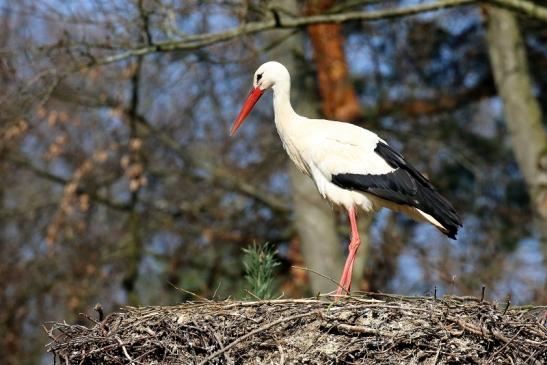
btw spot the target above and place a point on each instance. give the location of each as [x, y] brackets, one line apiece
[345, 281]
[343, 287]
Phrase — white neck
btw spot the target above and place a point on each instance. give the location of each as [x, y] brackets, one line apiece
[288, 124]
[284, 113]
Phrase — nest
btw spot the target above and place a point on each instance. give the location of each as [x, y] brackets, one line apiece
[373, 329]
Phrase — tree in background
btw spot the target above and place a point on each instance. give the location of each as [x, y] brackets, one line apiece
[338, 96]
[119, 180]
[313, 218]
[523, 113]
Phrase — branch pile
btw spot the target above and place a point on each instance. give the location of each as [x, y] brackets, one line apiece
[374, 328]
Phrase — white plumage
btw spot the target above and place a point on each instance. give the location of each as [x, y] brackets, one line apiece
[352, 167]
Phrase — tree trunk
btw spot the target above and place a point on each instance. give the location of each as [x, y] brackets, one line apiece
[338, 97]
[522, 111]
[314, 219]
[339, 100]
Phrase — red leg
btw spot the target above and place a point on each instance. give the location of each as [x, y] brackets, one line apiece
[345, 281]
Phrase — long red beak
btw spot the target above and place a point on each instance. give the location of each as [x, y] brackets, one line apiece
[253, 97]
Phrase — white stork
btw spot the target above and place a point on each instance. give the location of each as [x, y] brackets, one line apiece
[351, 166]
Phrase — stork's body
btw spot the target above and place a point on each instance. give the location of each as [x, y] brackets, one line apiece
[352, 167]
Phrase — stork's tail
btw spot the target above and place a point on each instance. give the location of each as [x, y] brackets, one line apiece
[437, 210]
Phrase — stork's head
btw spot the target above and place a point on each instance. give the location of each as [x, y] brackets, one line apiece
[266, 76]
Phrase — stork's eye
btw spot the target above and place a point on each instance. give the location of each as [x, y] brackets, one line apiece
[258, 77]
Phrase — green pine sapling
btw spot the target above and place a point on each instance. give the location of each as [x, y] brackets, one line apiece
[259, 263]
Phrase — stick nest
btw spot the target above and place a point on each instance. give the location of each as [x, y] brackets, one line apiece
[373, 329]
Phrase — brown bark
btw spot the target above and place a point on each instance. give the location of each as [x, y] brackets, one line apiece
[339, 99]
[313, 218]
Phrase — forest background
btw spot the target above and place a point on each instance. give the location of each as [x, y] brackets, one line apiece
[119, 182]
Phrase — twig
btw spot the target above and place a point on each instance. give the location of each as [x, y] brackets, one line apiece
[99, 309]
[49, 333]
[88, 317]
[124, 350]
[277, 18]
[189, 292]
[507, 304]
[363, 330]
[228, 359]
[260, 329]
[507, 344]
[251, 294]
[478, 330]
[322, 275]
[437, 354]
[369, 301]
[281, 354]
[274, 302]
[216, 290]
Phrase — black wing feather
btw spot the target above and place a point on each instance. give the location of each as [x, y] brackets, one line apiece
[406, 186]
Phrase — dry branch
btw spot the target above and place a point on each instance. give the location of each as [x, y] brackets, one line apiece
[524, 6]
[361, 329]
[279, 21]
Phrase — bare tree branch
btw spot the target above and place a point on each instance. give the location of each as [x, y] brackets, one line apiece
[204, 40]
[27, 165]
[227, 178]
[524, 6]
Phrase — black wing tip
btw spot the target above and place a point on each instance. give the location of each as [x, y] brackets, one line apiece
[452, 230]
[451, 234]
[442, 210]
